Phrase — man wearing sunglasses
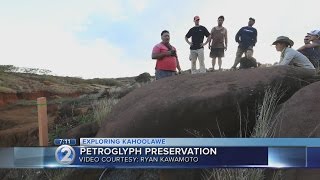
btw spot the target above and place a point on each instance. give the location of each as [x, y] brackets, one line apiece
[197, 34]
[312, 48]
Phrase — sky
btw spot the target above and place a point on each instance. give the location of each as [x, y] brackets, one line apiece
[115, 38]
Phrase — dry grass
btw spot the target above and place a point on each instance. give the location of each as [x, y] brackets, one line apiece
[6, 90]
[102, 108]
[264, 128]
[234, 174]
[266, 119]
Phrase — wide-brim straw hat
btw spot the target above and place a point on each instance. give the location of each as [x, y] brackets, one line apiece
[284, 39]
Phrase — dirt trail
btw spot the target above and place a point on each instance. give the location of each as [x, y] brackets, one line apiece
[19, 125]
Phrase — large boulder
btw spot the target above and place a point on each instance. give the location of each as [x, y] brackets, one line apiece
[299, 117]
[206, 104]
[84, 130]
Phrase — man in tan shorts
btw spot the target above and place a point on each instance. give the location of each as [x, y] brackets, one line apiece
[247, 39]
[218, 42]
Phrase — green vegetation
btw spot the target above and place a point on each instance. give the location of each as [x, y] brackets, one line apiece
[11, 68]
[70, 118]
[59, 130]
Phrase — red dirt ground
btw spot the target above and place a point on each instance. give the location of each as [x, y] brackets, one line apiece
[19, 125]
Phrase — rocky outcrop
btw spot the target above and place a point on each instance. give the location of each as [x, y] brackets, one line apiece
[200, 103]
[84, 130]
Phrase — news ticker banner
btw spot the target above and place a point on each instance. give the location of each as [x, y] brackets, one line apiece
[167, 153]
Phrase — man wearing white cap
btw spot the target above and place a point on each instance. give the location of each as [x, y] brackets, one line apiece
[315, 36]
[196, 45]
[290, 56]
[313, 48]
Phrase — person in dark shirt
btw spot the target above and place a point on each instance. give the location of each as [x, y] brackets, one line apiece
[307, 51]
[197, 34]
[248, 61]
[311, 49]
[247, 38]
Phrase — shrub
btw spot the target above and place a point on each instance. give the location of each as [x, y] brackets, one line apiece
[106, 82]
[8, 68]
[143, 78]
[102, 108]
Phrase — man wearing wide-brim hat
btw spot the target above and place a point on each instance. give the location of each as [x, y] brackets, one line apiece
[290, 56]
[283, 39]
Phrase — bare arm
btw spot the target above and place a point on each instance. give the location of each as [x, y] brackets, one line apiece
[160, 55]
[226, 39]
[211, 39]
[208, 39]
[313, 45]
[187, 40]
[178, 65]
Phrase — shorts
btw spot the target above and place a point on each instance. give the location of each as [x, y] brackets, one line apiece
[242, 50]
[217, 52]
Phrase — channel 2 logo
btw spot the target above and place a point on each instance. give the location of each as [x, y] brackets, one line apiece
[65, 154]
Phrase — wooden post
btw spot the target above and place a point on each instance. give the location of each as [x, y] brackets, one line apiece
[42, 121]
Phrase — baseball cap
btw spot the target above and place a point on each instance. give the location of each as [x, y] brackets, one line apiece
[314, 33]
[196, 18]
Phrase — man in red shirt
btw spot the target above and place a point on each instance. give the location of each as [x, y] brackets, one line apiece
[166, 56]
